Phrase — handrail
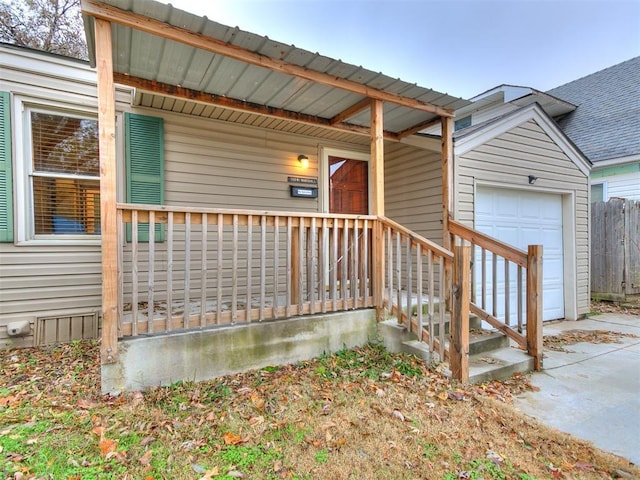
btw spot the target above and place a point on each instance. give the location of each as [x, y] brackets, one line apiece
[529, 266]
[502, 249]
[414, 281]
[434, 247]
[231, 211]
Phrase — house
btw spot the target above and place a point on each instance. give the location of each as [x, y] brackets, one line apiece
[605, 125]
[520, 179]
[233, 229]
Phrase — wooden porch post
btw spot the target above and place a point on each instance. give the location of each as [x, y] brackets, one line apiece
[447, 178]
[447, 198]
[534, 305]
[377, 187]
[459, 334]
[108, 223]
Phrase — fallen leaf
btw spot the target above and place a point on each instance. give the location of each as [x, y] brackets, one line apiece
[257, 401]
[585, 466]
[146, 458]
[147, 441]
[231, 438]
[107, 446]
[210, 474]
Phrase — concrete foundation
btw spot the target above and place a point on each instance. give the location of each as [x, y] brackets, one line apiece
[206, 354]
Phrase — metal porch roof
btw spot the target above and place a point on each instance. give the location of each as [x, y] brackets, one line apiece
[154, 58]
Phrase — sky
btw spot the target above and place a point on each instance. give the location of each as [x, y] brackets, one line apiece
[460, 47]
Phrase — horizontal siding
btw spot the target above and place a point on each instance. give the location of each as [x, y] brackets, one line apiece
[413, 190]
[623, 186]
[218, 165]
[508, 160]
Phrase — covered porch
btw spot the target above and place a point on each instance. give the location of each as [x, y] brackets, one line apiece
[176, 267]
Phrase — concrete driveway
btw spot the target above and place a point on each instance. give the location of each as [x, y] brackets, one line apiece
[593, 391]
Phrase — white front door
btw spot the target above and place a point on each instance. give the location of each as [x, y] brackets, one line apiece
[522, 218]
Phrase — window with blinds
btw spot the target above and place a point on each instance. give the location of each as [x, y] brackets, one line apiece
[65, 174]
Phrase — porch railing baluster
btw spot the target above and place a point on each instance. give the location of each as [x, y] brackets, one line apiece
[134, 272]
[169, 294]
[263, 266]
[276, 264]
[220, 266]
[249, 305]
[234, 271]
[203, 271]
[187, 270]
[289, 263]
[151, 270]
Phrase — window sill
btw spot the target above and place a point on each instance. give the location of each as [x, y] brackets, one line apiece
[62, 241]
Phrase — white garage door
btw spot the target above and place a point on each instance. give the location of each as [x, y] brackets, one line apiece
[522, 218]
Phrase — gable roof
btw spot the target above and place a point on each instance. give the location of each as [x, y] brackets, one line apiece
[470, 138]
[519, 96]
[606, 124]
[165, 49]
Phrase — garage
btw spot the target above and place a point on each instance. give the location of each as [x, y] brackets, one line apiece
[521, 218]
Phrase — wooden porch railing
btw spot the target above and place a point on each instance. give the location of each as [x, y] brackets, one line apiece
[189, 268]
[414, 283]
[504, 282]
[221, 267]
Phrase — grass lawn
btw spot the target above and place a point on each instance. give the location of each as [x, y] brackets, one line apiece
[358, 414]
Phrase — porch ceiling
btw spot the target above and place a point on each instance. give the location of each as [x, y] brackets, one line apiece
[295, 86]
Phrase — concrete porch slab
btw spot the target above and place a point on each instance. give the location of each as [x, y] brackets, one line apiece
[197, 355]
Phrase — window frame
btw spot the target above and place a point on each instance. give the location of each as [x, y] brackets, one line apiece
[24, 171]
[602, 183]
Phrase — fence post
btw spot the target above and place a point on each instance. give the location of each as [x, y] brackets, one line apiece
[459, 328]
[534, 305]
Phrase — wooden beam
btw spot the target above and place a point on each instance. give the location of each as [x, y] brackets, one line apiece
[447, 179]
[416, 128]
[351, 111]
[108, 212]
[188, 94]
[145, 24]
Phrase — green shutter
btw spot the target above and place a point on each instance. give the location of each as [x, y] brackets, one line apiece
[6, 190]
[144, 158]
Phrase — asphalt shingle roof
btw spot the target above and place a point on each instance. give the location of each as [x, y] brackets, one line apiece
[606, 123]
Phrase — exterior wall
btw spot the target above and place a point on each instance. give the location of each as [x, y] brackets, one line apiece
[506, 161]
[413, 189]
[47, 279]
[208, 163]
[620, 182]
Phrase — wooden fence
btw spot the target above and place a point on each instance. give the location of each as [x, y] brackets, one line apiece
[615, 249]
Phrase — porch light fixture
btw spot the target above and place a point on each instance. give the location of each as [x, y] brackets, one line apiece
[304, 160]
[532, 179]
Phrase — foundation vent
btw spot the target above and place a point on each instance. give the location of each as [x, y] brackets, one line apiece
[65, 328]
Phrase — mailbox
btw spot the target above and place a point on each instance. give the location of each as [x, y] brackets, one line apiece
[304, 192]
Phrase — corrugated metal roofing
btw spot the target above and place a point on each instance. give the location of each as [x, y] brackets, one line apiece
[152, 57]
